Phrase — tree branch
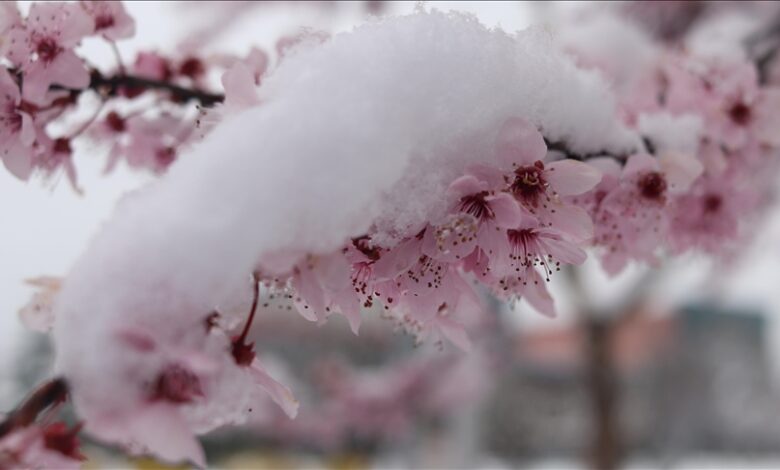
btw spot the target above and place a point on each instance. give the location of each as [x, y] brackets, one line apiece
[48, 394]
[563, 147]
[112, 86]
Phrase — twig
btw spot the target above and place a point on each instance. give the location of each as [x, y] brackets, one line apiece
[111, 86]
[48, 394]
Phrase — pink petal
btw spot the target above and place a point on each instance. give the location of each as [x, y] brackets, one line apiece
[75, 26]
[280, 394]
[18, 160]
[348, 303]
[563, 251]
[27, 135]
[310, 299]
[508, 212]
[607, 166]
[9, 16]
[69, 70]
[258, 60]
[239, 84]
[466, 185]
[519, 143]
[536, 294]
[680, 169]
[154, 428]
[397, 260]
[570, 177]
[572, 221]
[640, 163]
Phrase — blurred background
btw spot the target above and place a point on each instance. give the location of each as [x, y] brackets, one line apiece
[670, 368]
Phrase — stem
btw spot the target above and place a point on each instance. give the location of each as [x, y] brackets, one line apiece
[256, 292]
[49, 393]
[110, 86]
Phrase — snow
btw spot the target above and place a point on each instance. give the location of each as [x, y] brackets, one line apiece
[364, 131]
[670, 132]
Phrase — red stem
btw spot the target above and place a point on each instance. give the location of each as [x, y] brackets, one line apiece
[256, 291]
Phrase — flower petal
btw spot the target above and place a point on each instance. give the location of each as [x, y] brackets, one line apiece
[280, 394]
[570, 177]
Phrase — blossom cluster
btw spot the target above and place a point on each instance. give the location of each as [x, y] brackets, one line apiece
[520, 205]
[141, 113]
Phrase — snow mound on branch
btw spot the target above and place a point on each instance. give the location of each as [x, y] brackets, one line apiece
[366, 130]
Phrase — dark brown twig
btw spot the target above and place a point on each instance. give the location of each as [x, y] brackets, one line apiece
[46, 395]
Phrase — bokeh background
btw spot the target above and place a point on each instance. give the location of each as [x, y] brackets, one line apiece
[691, 352]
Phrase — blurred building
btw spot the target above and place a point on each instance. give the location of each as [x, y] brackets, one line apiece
[694, 382]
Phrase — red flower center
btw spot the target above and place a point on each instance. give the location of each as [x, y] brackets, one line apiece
[104, 22]
[477, 205]
[165, 156]
[177, 385]
[712, 203]
[652, 186]
[529, 184]
[192, 67]
[47, 49]
[115, 122]
[58, 437]
[740, 114]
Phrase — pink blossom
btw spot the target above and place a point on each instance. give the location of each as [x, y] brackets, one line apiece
[151, 142]
[324, 285]
[55, 155]
[528, 247]
[153, 66]
[708, 217]
[242, 78]
[182, 387]
[479, 217]
[111, 19]
[632, 216]
[41, 446]
[539, 186]
[43, 48]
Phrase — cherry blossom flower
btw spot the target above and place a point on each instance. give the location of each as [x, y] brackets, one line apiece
[43, 48]
[635, 220]
[55, 155]
[111, 20]
[530, 246]
[539, 186]
[479, 218]
[323, 285]
[708, 217]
